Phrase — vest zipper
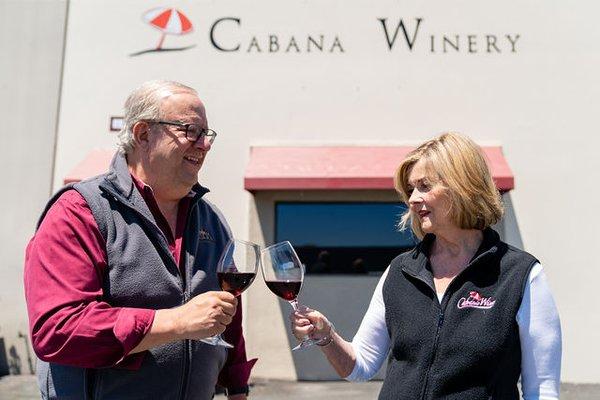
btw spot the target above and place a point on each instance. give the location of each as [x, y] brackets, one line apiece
[440, 320]
[186, 355]
[186, 367]
[433, 353]
[187, 344]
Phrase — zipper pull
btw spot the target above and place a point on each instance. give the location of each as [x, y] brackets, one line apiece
[440, 320]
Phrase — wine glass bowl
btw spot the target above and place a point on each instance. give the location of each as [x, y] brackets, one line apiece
[238, 266]
[235, 282]
[283, 274]
[287, 290]
[236, 271]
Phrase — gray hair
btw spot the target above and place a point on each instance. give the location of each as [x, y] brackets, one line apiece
[144, 104]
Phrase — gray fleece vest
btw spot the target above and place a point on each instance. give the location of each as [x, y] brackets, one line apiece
[142, 273]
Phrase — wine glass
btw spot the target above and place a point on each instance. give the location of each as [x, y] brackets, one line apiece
[236, 271]
[284, 273]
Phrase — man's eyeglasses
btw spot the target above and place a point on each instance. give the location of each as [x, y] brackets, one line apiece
[193, 132]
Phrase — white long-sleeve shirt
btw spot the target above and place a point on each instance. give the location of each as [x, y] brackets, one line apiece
[539, 332]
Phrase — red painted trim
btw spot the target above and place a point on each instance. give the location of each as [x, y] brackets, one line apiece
[342, 168]
[95, 163]
[255, 184]
[315, 168]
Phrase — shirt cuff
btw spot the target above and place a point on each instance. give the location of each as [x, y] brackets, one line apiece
[237, 375]
[131, 327]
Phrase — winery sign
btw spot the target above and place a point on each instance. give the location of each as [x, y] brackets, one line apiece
[396, 34]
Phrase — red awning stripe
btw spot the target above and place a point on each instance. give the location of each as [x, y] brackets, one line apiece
[96, 162]
[315, 168]
[339, 168]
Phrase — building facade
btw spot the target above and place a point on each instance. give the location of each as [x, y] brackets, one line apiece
[317, 75]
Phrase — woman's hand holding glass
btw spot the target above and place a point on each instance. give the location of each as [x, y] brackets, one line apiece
[308, 322]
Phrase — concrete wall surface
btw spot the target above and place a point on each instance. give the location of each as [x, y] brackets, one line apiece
[344, 299]
[520, 74]
[31, 44]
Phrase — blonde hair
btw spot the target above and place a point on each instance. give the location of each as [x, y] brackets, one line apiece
[457, 163]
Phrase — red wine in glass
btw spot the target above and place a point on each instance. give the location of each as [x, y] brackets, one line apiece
[236, 271]
[287, 290]
[284, 273]
[235, 282]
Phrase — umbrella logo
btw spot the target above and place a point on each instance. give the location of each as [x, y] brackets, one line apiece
[475, 296]
[169, 21]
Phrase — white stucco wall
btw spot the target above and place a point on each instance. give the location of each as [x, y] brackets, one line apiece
[31, 43]
[537, 102]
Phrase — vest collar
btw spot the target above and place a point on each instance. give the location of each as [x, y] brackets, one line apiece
[417, 264]
[120, 181]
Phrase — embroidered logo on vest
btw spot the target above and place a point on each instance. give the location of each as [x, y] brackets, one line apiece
[475, 300]
[204, 235]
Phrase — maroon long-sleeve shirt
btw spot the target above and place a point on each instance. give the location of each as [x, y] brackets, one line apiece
[70, 324]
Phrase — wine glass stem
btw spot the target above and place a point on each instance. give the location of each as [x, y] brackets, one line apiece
[294, 304]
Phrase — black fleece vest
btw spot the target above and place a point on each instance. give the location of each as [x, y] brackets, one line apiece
[468, 346]
[142, 273]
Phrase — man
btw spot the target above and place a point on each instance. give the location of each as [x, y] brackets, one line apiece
[120, 276]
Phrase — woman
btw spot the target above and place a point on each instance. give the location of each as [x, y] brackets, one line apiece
[463, 315]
